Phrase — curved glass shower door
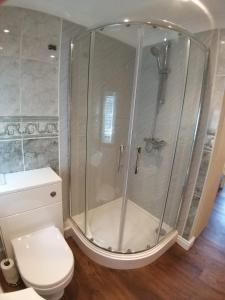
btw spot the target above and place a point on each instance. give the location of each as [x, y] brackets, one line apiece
[111, 72]
[105, 97]
[129, 103]
[158, 111]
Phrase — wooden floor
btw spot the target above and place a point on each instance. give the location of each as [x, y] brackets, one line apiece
[196, 274]
[177, 275]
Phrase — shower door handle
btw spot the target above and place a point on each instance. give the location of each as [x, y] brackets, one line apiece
[137, 160]
[122, 148]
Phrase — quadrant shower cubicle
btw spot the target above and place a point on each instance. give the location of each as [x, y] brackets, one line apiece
[136, 92]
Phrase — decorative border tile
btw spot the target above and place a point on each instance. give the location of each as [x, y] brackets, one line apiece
[28, 127]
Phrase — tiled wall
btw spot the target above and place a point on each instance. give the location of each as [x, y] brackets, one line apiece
[214, 113]
[29, 74]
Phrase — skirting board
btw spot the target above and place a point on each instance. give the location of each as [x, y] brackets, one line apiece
[185, 244]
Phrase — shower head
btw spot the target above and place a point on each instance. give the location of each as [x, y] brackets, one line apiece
[161, 55]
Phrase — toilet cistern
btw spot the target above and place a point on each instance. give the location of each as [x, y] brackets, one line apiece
[31, 221]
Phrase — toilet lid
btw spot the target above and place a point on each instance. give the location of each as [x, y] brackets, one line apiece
[43, 257]
[28, 294]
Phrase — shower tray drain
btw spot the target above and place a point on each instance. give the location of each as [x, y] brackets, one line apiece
[129, 251]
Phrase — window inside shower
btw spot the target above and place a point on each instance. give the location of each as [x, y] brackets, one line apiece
[136, 94]
[108, 118]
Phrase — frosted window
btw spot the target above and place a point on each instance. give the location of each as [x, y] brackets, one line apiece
[108, 119]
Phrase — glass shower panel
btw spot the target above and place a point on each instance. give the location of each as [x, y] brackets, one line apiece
[189, 122]
[111, 74]
[159, 102]
[78, 111]
[135, 105]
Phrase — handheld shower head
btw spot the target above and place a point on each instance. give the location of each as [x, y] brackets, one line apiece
[161, 55]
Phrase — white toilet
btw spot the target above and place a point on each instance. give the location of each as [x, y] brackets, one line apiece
[31, 223]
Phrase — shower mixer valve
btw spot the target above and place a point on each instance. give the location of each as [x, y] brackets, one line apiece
[153, 144]
[137, 160]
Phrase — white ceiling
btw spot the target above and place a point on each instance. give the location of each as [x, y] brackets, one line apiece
[193, 15]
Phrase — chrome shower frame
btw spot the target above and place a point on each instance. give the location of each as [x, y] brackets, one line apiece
[154, 24]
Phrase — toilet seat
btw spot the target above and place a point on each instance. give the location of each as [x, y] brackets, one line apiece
[28, 294]
[44, 259]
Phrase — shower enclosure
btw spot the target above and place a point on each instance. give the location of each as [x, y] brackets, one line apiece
[136, 94]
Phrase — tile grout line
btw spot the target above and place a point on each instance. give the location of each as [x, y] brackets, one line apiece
[220, 75]
[29, 138]
[22, 140]
[59, 93]
[20, 90]
[19, 138]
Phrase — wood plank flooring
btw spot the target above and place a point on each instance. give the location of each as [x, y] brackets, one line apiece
[177, 275]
